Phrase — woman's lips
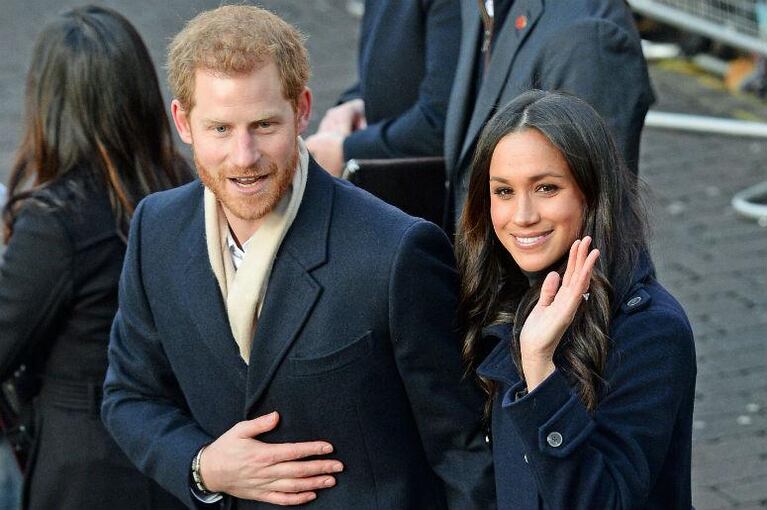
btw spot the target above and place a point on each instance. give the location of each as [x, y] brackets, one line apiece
[531, 240]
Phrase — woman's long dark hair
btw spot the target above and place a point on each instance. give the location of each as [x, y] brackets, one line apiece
[494, 289]
[93, 102]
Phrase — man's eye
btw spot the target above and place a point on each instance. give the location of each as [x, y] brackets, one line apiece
[220, 129]
[265, 124]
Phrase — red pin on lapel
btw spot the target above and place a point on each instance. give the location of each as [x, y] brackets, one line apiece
[521, 22]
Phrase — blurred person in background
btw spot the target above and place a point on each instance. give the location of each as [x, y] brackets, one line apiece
[407, 57]
[96, 141]
[588, 362]
[10, 479]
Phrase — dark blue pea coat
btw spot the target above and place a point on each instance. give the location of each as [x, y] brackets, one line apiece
[634, 450]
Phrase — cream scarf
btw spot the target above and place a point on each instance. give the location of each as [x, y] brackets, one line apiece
[243, 290]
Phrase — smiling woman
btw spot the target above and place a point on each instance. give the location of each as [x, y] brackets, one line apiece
[588, 363]
[536, 206]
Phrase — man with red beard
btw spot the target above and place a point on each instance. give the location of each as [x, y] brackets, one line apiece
[283, 337]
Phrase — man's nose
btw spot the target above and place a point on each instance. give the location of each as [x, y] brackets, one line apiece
[245, 152]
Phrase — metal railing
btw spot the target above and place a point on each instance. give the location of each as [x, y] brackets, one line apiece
[738, 23]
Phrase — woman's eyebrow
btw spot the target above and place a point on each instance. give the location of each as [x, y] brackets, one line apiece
[536, 177]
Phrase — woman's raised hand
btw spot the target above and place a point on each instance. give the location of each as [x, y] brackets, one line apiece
[554, 312]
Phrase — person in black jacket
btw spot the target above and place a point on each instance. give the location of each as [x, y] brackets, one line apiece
[589, 363]
[407, 58]
[96, 141]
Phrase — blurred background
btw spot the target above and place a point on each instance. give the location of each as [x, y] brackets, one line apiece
[706, 63]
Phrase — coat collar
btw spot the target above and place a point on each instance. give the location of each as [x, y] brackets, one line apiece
[498, 365]
[290, 296]
[292, 291]
[510, 40]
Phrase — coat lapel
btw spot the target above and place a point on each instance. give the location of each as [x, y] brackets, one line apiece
[460, 96]
[292, 292]
[510, 39]
[202, 298]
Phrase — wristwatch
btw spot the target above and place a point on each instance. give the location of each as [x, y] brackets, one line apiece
[198, 484]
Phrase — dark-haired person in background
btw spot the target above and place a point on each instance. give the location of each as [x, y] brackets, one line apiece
[96, 141]
[407, 57]
[588, 361]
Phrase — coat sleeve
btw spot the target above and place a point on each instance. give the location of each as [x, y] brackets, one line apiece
[601, 63]
[419, 131]
[610, 459]
[349, 94]
[35, 284]
[447, 407]
[143, 406]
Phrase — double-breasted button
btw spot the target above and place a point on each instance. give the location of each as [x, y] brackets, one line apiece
[525, 457]
[487, 438]
[554, 439]
[634, 301]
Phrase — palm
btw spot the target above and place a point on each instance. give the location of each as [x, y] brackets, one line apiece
[557, 304]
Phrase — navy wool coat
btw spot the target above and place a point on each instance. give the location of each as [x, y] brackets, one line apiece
[407, 58]
[633, 451]
[354, 345]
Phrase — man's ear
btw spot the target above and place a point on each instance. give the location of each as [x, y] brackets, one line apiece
[181, 120]
[303, 110]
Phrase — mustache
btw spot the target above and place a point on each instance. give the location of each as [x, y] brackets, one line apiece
[255, 170]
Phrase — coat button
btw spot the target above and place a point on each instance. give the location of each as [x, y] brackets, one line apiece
[554, 439]
[487, 438]
[525, 457]
[634, 301]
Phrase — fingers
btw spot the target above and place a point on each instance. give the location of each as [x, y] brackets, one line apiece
[549, 289]
[296, 485]
[339, 119]
[257, 426]
[285, 499]
[283, 452]
[571, 261]
[303, 469]
[583, 251]
[587, 269]
[580, 263]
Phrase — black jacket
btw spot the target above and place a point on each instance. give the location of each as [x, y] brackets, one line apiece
[58, 296]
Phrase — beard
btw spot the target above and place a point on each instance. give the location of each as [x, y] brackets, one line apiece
[249, 207]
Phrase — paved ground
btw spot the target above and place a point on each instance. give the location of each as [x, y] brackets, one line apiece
[713, 261]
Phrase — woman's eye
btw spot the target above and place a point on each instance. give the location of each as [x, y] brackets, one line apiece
[548, 188]
[503, 192]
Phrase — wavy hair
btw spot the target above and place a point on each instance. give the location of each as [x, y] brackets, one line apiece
[93, 102]
[493, 287]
